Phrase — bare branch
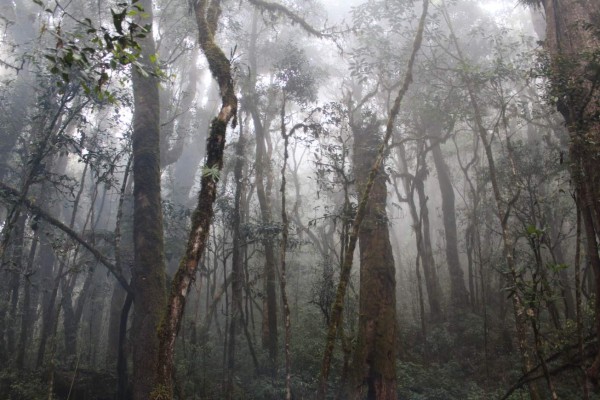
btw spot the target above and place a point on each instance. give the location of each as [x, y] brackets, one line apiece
[12, 196]
[276, 8]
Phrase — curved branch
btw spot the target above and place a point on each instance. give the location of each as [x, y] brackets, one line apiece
[206, 18]
[12, 196]
[276, 8]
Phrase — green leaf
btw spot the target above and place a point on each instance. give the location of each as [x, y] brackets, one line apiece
[211, 172]
[557, 267]
[143, 72]
[532, 230]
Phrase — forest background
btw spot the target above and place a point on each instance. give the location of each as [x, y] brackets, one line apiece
[183, 186]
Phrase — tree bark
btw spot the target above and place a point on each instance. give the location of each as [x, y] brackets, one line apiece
[206, 19]
[237, 272]
[571, 43]
[338, 305]
[148, 274]
[374, 362]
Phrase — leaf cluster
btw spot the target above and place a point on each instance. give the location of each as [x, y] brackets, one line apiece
[90, 54]
[296, 77]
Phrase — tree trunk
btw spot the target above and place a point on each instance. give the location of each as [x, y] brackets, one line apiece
[374, 362]
[432, 282]
[458, 292]
[264, 182]
[283, 249]
[420, 220]
[361, 211]
[148, 274]
[237, 272]
[502, 213]
[570, 41]
[206, 19]
[12, 266]
[26, 309]
[123, 248]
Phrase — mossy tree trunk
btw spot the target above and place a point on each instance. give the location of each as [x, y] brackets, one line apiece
[148, 274]
[361, 212]
[573, 44]
[237, 263]
[207, 16]
[374, 363]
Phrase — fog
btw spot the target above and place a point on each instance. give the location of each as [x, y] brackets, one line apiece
[299, 199]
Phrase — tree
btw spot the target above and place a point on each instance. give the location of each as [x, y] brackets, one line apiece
[207, 16]
[458, 292]
[148, 274]
[386, 387]
[573, 45]
[374, 365]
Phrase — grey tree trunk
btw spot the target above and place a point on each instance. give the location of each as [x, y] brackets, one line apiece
[458, 292]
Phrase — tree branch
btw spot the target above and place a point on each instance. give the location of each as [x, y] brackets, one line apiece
[276, 8]
[12, 196]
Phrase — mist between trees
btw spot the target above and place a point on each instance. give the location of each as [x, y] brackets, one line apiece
[299, 199]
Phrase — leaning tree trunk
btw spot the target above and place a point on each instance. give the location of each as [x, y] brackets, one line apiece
[148, 274]
[206, 19]
[374, 364]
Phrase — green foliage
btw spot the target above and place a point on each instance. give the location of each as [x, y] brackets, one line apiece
[436, 382]
[19, 385]
[160, 393]
[90, 55]
[211, 172]
[567, 79]
[533, 231]
[296, 76]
